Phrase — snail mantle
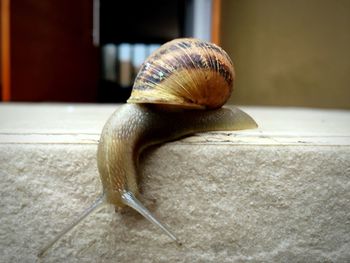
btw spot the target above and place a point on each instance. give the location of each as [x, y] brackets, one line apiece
[277, 193]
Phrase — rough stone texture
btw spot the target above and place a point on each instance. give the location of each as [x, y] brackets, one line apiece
[280, 193]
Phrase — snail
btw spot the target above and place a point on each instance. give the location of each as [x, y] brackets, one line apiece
[179, 90]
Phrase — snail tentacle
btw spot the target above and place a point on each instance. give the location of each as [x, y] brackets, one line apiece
[130, 200]
[101, 200]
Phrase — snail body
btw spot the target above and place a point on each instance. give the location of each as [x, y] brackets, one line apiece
[134, 127]
[179, 90]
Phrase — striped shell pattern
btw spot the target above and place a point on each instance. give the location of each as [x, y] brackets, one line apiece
[185, 72]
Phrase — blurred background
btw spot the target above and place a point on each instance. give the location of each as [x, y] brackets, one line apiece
[286, 53]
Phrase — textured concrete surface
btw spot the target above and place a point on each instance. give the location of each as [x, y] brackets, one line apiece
[280, 193]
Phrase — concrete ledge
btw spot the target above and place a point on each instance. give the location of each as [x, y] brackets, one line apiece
[280, 193]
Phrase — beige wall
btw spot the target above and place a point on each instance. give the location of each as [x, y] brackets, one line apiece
[291, 53]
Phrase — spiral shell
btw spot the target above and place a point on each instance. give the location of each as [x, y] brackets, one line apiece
[185, 72]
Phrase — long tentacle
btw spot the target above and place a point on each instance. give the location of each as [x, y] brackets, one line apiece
[98, 203]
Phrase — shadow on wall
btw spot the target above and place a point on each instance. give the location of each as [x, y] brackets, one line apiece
[289, 53]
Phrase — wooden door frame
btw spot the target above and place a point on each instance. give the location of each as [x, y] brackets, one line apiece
[5, 50]
[216, 21]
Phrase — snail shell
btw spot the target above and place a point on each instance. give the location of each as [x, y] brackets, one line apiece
[187, 73]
